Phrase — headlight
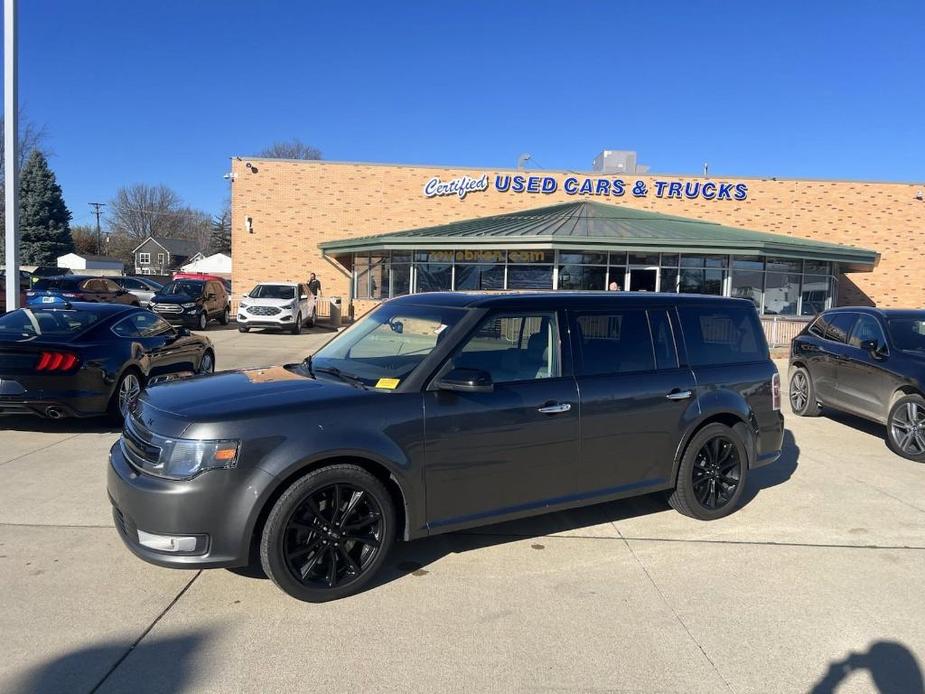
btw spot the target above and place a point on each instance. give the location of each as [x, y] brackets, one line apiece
[242, 304]
[189, 305]
[180, 459]
[288, 306]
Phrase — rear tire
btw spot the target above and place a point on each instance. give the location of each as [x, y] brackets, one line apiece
[202, 321]
[225, 318]
[328, 534]
[128, 388]
[803, 401]
[712, 474]
[905, 428]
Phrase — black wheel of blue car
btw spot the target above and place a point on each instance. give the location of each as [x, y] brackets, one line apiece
[328, 534]
[711, 477]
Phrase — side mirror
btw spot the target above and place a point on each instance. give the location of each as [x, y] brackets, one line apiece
[183, 332]
[210, 296]
[873, 348]
[397, 326]
[303, 297]
[466, 381]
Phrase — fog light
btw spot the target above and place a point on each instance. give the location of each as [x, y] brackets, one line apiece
[167, 543]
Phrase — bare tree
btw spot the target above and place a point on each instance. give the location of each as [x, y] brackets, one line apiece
[291, 149]
[31, 136]
[84, 237]
[143, 210]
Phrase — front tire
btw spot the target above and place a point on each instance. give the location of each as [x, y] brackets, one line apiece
[328, 534]
[202, 321]
[314, 316]
[803, 394]
[712, 474]
[243, 329]
[207, 363]
[905, 428]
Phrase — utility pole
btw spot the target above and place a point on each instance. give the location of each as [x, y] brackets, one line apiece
[99, 237]
[11, 153]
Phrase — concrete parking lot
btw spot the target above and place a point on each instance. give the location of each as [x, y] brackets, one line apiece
[816, 584]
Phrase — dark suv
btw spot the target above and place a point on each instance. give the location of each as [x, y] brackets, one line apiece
[438, 412]
[868, 362]
[192, 303]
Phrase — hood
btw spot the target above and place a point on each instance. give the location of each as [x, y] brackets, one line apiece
[245, 393]
[265, 302]
[174, 298]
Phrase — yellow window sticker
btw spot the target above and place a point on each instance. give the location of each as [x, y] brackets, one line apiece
[389, 383]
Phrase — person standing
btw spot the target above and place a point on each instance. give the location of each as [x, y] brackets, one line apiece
[314, 285]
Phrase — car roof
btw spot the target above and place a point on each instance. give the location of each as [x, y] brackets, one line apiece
[282, 284]
[561, 299]
[882, 312]
[95, 307]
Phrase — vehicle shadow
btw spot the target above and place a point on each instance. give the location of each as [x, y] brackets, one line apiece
[865, 426]
[775, 473]
[95, 667]
[90, 425]
[891, 666]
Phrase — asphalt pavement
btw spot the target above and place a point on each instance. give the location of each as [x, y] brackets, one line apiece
[815, 585]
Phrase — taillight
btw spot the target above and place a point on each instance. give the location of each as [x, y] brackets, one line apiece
[775, 391]
[56, 361]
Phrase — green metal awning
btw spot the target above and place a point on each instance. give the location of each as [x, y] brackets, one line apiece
[596, 226]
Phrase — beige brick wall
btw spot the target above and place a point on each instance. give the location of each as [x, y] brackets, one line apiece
[297, 205]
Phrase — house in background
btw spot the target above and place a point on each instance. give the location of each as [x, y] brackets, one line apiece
[215, 264]
[162, 256]
[82, 263]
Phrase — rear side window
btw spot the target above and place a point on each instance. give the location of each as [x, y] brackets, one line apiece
[28, 323]
[44, 285]
[722, 335]
[819, 327]
[839, 326]
[614, 342]
[666, 356]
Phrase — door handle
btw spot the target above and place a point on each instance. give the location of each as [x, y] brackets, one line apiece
[679, 394]
[555, 408]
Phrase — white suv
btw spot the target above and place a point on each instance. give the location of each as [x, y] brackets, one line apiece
[283, 305]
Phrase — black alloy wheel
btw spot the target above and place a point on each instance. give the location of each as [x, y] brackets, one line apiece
[711, 477]
[906, 427]
[803, 394]
[328, 534]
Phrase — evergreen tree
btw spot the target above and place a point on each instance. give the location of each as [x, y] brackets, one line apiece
[44, 220]
[220, 234]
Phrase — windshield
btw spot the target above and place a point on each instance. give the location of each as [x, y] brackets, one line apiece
[908, 333]
[45, 285]
[385, 346]
[188, 287]
[272, 291]
[28, 323]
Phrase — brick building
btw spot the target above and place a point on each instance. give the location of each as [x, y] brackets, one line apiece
[290, 218]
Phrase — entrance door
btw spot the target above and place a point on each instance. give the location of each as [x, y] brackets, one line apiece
[642, 279]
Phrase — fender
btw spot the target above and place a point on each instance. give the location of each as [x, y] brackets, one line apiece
[727, 406]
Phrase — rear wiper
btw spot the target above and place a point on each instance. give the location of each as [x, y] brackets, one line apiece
[334, 371]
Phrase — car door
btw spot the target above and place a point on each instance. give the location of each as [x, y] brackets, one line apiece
[864, 382]
[833, 348]
[114, 293]
[213, 299]
[168, 351]
[633, 393]
[502, 453]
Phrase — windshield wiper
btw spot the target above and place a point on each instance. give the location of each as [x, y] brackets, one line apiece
[334, 371]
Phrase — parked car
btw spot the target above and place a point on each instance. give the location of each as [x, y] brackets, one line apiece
[868, 362]
[444, 411]
[50, 290]
[140, 287]
[25, 282]
[192, 303]
[283, 305]
[49, 271]
[86, 359]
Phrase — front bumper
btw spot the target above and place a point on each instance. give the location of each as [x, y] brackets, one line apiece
[280, 320]
[219, 507]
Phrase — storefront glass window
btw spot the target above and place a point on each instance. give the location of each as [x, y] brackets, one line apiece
[701, 281]
[782, 291]
[582, 258]
[815, 294]
[401, 278]
[529, 256]
[670, 259]
[434, 277]
[747, 262]
[669, 280]
[643, 259]
[784, 265]
[478, 256]
[379, 277]
[361, 267]
[479, 277]
[748, 284]
[529, 276]
[582, 277]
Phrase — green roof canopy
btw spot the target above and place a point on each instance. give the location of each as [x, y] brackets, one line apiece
[600, 226]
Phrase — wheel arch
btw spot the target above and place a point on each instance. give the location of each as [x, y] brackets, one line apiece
[375, 468]
[901, 392]
[737, 421]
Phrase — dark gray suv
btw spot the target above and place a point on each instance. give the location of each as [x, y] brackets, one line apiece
[438, 412]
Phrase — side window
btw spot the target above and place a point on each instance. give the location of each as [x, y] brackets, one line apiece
[839, 327]
[513, 347]
[126, 328]
[724, 335]
[149, 324]
[90, 286]
[819, 327]
[666, 354]
[614, 342]
[866, 328]
[110, 285]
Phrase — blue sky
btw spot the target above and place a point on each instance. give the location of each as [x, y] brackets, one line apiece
[165, 92]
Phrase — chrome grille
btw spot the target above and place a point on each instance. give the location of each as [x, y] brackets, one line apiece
[264, 310]
[167, 308]
[135, 446]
